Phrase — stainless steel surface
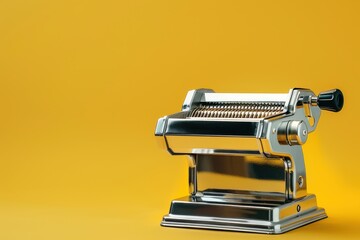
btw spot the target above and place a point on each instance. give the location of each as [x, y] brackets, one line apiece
[250, 175]
[246, 165]
[210, 145]
[193, 186]
[192, 212]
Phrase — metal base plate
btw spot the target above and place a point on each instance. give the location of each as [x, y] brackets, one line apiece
[192, 212]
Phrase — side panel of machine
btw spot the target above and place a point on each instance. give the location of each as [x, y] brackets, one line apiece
[250, 176]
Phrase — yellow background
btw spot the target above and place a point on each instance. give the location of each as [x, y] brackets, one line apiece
[82, 84]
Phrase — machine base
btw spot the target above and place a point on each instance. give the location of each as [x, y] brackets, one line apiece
[193, 212]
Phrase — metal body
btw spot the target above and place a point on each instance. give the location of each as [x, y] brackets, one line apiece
[246, 165]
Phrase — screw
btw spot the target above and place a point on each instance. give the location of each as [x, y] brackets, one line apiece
[301, 181]
[274, 131]
[304, 132]
[298, 208]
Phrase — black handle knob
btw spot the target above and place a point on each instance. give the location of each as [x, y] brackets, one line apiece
[332, 100]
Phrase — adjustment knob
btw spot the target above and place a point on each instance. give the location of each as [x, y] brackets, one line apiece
[292, 133]
[332, 100]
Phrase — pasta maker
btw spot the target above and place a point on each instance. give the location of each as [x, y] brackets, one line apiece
[246, 164]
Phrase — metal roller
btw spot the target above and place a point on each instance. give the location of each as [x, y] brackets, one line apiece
[237, 110]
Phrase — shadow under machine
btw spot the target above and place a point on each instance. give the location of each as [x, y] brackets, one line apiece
[246, 165]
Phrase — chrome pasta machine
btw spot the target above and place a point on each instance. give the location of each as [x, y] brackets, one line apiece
[246, 164]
